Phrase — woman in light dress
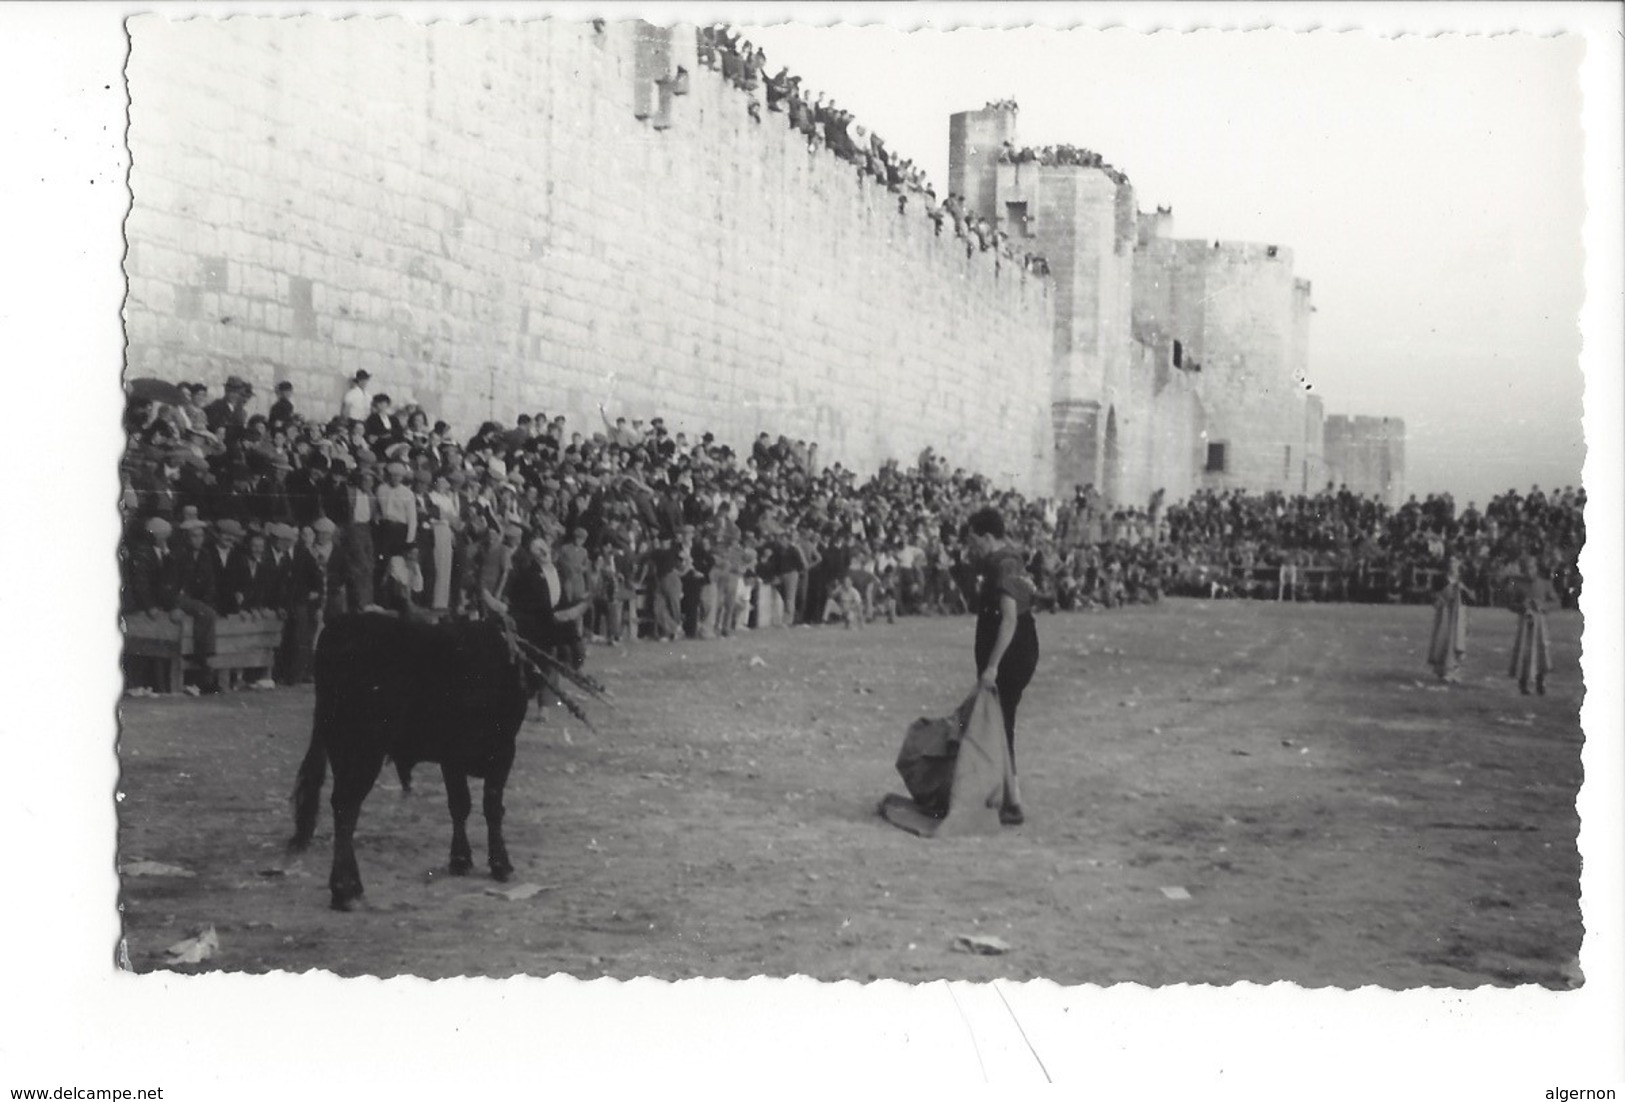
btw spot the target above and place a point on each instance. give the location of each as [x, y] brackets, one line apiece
[1449, 643]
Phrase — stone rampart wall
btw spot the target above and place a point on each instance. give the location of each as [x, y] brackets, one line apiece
[473, 213]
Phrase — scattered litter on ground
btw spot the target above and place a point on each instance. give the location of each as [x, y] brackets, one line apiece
[520, 891]
[195, 950]
[982, 944]
[1176, 892]
[757, 662]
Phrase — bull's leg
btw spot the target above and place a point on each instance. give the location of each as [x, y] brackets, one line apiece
[496, 846]
[350, 788]
[458, 800]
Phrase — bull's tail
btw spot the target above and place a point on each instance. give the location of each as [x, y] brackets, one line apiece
[307, 789]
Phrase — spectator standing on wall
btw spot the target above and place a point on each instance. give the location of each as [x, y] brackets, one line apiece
[355, 404]
[383, 430]
[397, 512]
[281, 415]
[226, 414]
[618, 434]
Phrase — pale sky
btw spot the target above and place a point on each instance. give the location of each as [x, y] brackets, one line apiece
[1430, 188]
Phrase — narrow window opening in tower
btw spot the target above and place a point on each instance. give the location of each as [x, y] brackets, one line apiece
[1179, 354]
[1020, 224]
[1215, 458]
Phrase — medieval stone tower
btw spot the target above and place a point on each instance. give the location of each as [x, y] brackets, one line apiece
[1176, 364]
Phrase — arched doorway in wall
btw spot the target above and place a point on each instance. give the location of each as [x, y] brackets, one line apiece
[1112, 462]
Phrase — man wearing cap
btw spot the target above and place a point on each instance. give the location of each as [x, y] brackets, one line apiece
[397, 512]
[281, 415]
[353, 408]
[195, 563]
[228, 535]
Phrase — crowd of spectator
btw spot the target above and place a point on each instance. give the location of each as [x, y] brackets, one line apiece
[667, 536]
[1009, 154]
[825, 124]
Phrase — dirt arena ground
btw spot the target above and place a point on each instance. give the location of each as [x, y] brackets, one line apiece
[1335, 817]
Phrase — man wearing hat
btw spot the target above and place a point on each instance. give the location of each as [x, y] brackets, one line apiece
[282, 409]
[355, 404]
[226, 414]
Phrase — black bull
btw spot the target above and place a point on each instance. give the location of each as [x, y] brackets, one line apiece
[454, 694]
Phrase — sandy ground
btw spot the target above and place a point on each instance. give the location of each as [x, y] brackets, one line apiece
[1335, 817]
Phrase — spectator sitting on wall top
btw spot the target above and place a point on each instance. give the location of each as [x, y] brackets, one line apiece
[355, 405]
